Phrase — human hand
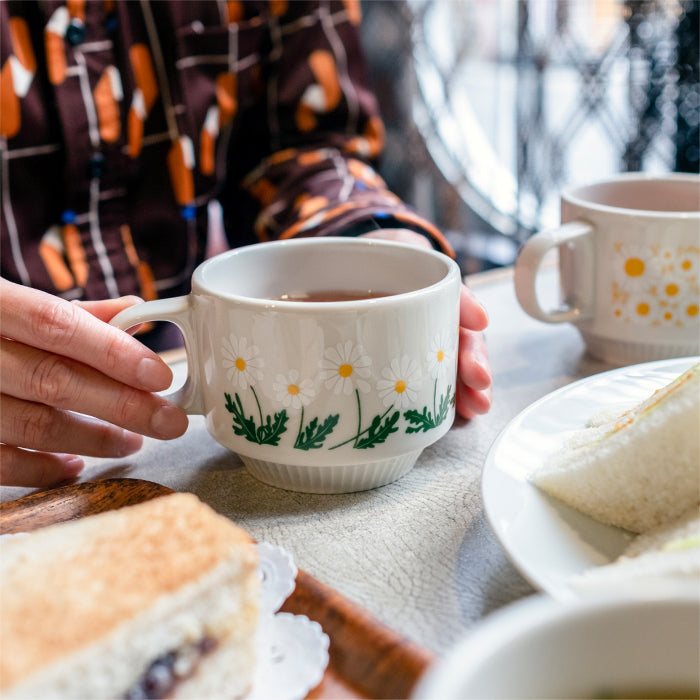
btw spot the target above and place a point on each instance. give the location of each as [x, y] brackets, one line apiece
[474, 374]
[70, 385]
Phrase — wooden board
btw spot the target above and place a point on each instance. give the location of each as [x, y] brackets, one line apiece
[367, 658]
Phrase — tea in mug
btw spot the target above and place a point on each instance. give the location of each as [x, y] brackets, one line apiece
[333, 295]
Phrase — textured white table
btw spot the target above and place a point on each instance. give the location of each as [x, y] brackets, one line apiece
[418, 553]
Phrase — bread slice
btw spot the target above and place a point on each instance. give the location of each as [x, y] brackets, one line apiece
[90, 607]
[638, 471]
[667, 558]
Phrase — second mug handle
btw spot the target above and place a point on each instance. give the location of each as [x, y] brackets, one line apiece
[177, 310]
[527, 264]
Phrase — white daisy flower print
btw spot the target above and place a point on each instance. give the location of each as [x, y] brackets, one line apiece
[688, 263]
[637, 267]
[399, 383]
[667, 258]
[345, 367]
[289, 391]
[644, 309]
[690, 312]
[241, 361]
[440, 355]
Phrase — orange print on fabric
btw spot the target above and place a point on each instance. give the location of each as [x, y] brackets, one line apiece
[107, 106]
[55, 265]
[369, 145]
[235, 11]
[326, 73]
[22, 44]
[76, 9]
[311, 158]
[263, 191]
[226, 87]
[55, 57]
[352, 7]
[207, 144]
[134, 128]
[75, 253]
[144, 75]
[143, 270]
[305, 118]
[361, 171]
[278, 7]
[311, 206]
[282, 156]
[10, 116]
[374, 133]
[180, 166]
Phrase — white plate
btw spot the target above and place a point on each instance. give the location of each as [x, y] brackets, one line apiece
[546, 540]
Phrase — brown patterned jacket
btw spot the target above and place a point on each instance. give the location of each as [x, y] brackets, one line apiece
[121, 121]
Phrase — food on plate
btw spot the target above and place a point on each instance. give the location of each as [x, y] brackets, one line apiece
[154, 600]
[639, 470]
[666, 554]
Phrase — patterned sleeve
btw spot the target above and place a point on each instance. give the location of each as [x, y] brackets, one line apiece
[317, 125]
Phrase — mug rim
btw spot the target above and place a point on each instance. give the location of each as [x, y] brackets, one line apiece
[452, 270]
[572, 194]
[522, 620]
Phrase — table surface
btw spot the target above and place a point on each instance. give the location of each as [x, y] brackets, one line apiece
[419, 553]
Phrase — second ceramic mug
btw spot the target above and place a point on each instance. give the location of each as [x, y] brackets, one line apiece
[315, 395]
[629, 256]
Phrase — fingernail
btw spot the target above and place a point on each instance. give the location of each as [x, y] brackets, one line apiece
[72, 466]
[153, 374]
[130, 443]
[169, 421]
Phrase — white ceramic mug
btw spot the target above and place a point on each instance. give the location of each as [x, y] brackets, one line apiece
[610, 647]
[629, 256]
[319, 396]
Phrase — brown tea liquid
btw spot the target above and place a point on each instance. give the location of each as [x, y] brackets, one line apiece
[333, 295]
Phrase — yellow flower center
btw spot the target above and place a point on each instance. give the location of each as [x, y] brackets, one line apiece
[240, 363]
[643, 308]
[671, 289]
[440, 355]
[345, 371]
[400, 386]
[686, 265]
[634, 267]
[668, 316]
[692, 310]
[292, 389]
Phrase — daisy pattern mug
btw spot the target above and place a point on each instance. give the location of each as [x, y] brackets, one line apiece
[315, 395]
[629, 259]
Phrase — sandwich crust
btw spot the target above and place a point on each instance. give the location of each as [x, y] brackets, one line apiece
[69, 587]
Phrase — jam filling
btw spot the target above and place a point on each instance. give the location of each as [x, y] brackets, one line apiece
[161, 678]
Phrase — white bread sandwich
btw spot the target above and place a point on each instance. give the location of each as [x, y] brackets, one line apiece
[665, 559]
[638, 471]
[154, 600]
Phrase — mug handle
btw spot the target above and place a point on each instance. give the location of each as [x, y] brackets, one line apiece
[177, 310]
[575, 234]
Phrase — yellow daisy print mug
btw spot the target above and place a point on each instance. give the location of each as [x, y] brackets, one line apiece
[629, 265]
[326, 364]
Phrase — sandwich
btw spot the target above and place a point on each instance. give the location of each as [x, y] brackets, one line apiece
[666, 559]
[639, 470]
[154, 600]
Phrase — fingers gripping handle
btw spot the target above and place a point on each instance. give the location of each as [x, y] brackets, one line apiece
[177, 310]
[574, 233]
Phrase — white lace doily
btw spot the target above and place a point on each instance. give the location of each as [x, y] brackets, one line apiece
[292, 650]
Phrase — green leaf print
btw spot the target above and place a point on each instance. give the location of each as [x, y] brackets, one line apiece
[378, 432]
[269, 431]
[424, 421]
[312, 437]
